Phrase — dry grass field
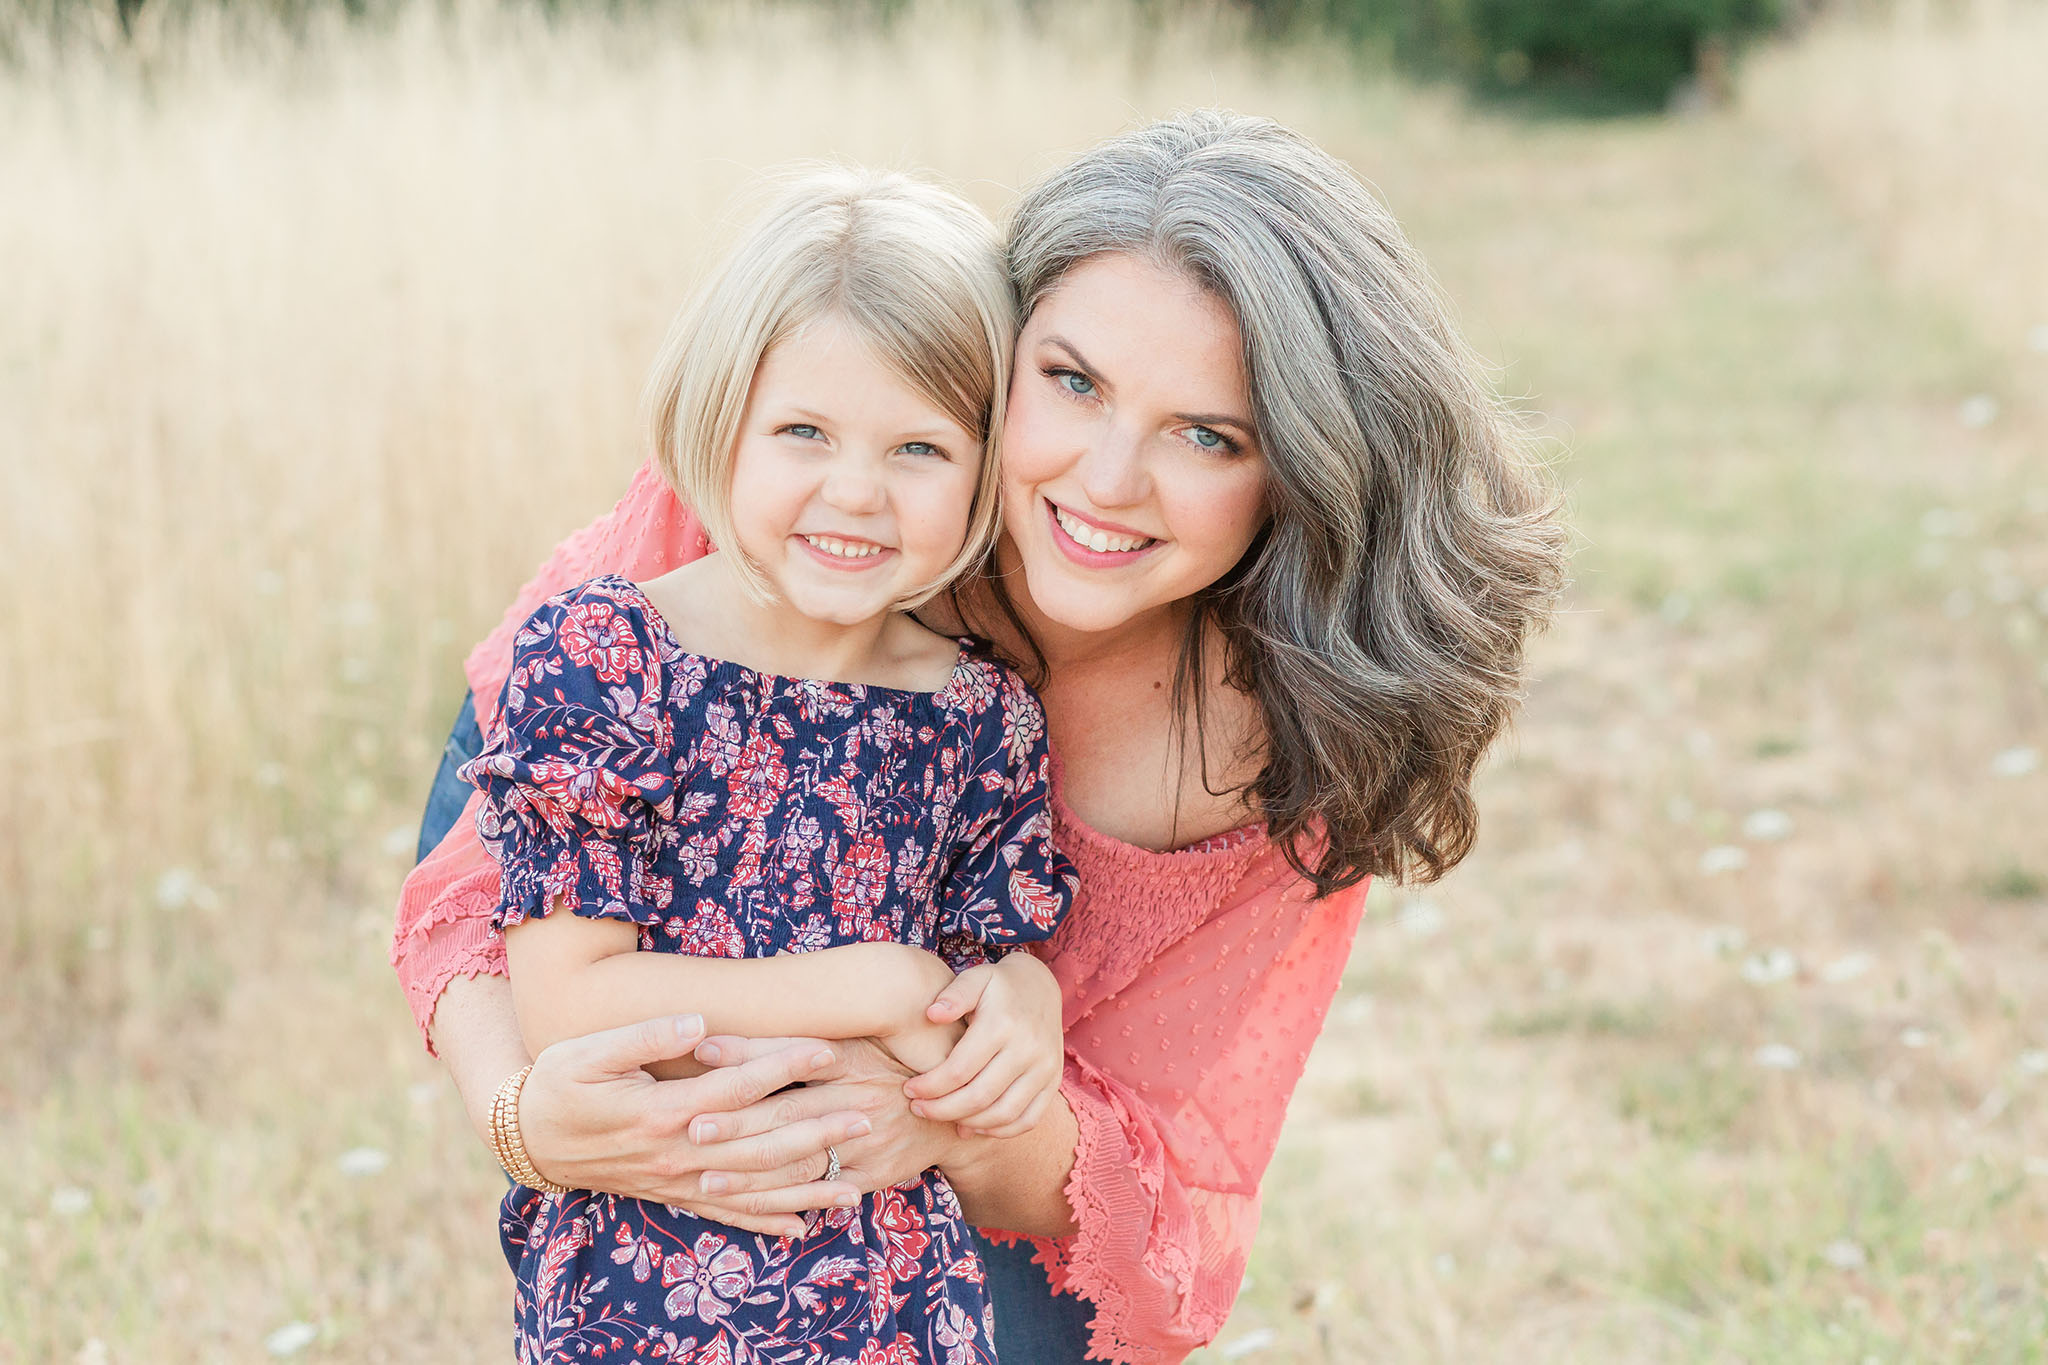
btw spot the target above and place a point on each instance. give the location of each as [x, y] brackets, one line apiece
[1727, 1045]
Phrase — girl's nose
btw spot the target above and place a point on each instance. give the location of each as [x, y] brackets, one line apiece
[854, 486]
[1112, 469]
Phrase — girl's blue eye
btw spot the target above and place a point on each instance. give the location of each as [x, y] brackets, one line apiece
[922, 448]
[801, 430]
[1075, 382]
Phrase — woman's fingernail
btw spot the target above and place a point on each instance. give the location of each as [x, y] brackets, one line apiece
[703, 1131]
[917, 1109]
[714, 1184]
[860, 1128]
[707, 1052]
[846, 1200]
[690, 1026]
[823, 1058]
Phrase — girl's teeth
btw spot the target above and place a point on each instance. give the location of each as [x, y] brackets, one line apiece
[839, 549]
[1100, 541]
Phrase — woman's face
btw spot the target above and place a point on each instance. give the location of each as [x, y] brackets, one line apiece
[1132, 476]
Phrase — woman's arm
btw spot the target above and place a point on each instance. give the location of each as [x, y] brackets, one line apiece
[573, 975]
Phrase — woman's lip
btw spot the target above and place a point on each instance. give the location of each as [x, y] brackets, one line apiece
[1108, 526]
[832, 561]
[1082, 555]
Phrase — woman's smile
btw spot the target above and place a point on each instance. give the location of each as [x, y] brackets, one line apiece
[1093, 543]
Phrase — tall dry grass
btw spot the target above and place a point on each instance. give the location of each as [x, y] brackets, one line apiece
[1930, 122]
[1725, 1046]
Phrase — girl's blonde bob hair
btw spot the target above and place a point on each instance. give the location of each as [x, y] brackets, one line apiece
[914, 269]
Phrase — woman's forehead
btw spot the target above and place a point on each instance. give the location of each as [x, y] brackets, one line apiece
[1126, 316]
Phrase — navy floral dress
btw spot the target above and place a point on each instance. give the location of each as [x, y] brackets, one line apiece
[730, 813]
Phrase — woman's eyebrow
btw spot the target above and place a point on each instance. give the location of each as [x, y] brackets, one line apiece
[1218, 419]
[1074, 354]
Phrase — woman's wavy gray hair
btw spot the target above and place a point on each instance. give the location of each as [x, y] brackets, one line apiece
[1414, 543]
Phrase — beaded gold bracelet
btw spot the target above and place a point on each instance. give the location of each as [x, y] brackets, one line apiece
[507, 1144]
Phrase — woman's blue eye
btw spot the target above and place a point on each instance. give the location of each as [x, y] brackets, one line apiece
[1075, 381]
[1209, 439]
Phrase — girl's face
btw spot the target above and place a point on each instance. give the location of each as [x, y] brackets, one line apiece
[850, 489]
[1132, 476]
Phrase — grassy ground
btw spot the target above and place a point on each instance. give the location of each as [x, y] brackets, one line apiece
[1723, 1047]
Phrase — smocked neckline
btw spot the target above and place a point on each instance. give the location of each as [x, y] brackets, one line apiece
[1215, 849]
[786, 681]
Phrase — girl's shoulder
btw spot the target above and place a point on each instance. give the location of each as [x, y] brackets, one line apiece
[605, 624]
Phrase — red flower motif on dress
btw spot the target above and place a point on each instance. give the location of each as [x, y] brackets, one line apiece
[861, 878]
[757, 780]
[596, 637]
[903, 1236]
[902, 1351]
[709, 932]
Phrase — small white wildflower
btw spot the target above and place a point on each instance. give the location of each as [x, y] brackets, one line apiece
[94, 1352]
[1251, 1343]
[1958, 604]
[2015, 762]
[1931, 554]
[1724, 940]
[1770, 967]
[2034, 1062]
[291, 1338]
[2005, 589]
[1678, 810]
[1939, 521]
[99, 938]
[1445, 1264]
[2037, 338]
[355, 669]
[400, 840]
[148, 1195]
[270, 775]
[268, 582]
[422, 1093]
[1977, 411]
[1501, 1153]
[1675, 607]
[1723, 858]
[1766, 824]
[69, 1201]
[175, 889]
[360, 1161]
[1777, 1057]
[1847, 968]
[1914, 1037]
[1422, 918]
[1843, 1254]
[357, 614]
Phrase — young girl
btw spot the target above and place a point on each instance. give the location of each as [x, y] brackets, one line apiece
[761, 756]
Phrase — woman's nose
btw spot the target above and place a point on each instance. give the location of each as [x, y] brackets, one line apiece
[1112, 469]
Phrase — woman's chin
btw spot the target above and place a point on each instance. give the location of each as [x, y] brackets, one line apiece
[1079, 605]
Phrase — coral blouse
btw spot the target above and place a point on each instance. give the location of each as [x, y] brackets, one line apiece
[1195, 982]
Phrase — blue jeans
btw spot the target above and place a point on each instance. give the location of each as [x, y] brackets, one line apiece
[1034, 1326]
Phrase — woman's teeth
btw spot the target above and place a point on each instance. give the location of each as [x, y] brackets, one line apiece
[844, 549]
[1096, 539]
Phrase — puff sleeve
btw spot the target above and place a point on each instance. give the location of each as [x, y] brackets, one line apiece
[1007, 883]
[576, 780]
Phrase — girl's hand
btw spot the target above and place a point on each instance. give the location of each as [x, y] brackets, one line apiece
[593, 1119]
[866, 1080]
[1000, 1076]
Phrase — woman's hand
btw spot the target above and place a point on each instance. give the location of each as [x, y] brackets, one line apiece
[864, 1079]
[593, 1119]
[999, 1078]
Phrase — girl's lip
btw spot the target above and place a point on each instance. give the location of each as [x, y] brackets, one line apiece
[831, 561]
[1081, 554]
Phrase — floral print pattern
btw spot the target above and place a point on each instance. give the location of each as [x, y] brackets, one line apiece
[730, 813]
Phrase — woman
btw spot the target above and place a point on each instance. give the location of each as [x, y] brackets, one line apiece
[1275, 549]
